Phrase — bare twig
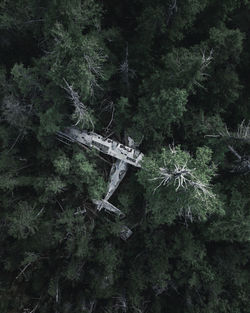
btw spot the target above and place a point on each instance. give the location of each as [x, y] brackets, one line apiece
[60, 205]
[34, 309]
[34, 21]
[181, 176]
[112, 117]
[234, 152]
[39, 213]
[16, 140]
[205, 61]
[23, 270]
[187, 214]
[242, 133]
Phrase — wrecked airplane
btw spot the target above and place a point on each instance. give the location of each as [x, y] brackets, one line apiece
[124, 154]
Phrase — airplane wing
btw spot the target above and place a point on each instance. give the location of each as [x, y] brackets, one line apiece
[108, 146]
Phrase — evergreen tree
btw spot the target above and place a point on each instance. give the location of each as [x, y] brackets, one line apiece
[173, 75]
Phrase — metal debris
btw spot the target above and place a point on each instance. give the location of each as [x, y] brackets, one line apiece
[105, 145]
[124, 154]
[125, 233]
[108, 207]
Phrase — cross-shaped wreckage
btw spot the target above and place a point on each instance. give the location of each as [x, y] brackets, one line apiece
[124, 155]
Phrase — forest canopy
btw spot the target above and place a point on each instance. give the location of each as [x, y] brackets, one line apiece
[173, 76]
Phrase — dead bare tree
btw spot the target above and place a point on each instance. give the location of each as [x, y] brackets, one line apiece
[178, 176]
[107, 128]
[16, 113]
[242, 133]
[81, 113]
[242, 164]
[94, 57]
[205, 62]
[181, 176]
[96, 70]
[125, 70]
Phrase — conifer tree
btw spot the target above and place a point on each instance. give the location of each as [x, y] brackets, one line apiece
[170, 74]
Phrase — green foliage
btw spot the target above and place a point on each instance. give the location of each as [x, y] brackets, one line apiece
[89, 176]
[25, 79]
[157, 113]
[184, 20]
[177, 184]
[51, 118]
[23, 221]
[186, 68]
[235, 225]
[227, 43]
[62, 164]
[162, 72]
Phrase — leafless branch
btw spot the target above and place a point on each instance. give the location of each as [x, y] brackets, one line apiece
[34, 21]
[94, 63]
[206, 60]
[16, 140]
[121, 303]
[61, 207]
[92, 306]
[112, 117]
[242, 133]
[81, 111]
[32, 311]
[187, 214]
[125, 70]
[40, 212]
[23, 270]
[234, 152]
[243, 162]
[181, 176]
[79, 211]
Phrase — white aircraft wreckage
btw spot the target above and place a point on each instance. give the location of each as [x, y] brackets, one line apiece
[124, 154]
[105, 145]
